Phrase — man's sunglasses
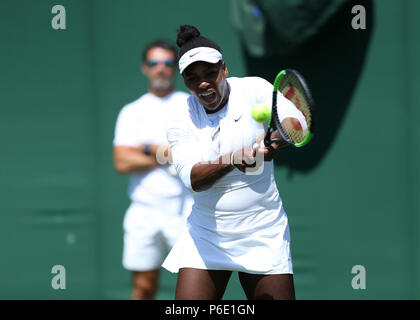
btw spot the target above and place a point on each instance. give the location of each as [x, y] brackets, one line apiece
[154, 63]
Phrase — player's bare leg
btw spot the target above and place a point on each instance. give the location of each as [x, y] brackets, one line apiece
[198, 284]
[145, 284]
[269, 287]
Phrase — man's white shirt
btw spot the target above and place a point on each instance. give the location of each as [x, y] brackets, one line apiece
[141, 122]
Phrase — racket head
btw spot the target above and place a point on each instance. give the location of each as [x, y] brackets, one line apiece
[293, 87]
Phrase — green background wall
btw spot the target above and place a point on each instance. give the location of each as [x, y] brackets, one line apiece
[61, 202]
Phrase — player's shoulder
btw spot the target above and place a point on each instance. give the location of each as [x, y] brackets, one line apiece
[249, 87]
[248, 82]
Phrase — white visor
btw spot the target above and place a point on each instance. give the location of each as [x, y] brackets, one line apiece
[205, 54]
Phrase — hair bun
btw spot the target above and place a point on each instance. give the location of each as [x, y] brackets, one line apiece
[186, 33]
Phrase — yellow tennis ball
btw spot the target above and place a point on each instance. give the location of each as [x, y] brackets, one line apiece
[260, 112]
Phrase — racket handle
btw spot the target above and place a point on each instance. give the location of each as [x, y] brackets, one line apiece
[277, 140]
[267, 139]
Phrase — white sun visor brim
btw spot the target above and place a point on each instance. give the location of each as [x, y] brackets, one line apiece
[205, 54]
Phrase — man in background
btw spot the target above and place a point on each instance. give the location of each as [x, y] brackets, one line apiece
[159, 202]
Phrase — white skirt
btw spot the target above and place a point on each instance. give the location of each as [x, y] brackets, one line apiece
[251, 242]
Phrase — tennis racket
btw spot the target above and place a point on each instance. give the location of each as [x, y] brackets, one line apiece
[294, 88]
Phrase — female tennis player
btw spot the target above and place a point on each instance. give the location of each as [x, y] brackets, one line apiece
[237, 222]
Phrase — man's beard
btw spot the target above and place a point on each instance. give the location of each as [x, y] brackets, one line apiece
[160, 84]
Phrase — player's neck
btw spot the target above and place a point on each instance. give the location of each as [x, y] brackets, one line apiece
[161, 93]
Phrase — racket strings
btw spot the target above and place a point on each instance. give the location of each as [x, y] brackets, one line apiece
[293, 130]
[292, 90]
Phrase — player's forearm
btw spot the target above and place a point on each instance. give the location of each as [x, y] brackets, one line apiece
[205, 174]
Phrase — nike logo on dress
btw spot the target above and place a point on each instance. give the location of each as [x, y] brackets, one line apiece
[236, 120]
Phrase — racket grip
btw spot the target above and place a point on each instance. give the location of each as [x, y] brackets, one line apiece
[266, 141]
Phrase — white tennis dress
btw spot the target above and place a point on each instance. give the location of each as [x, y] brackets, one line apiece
[238, 224]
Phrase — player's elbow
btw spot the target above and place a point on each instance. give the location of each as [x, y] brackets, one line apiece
[197, 187]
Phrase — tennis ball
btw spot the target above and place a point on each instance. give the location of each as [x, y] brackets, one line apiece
[260, 112]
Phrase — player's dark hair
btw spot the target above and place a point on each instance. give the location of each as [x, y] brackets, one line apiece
[189, 38]
[159, 43]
